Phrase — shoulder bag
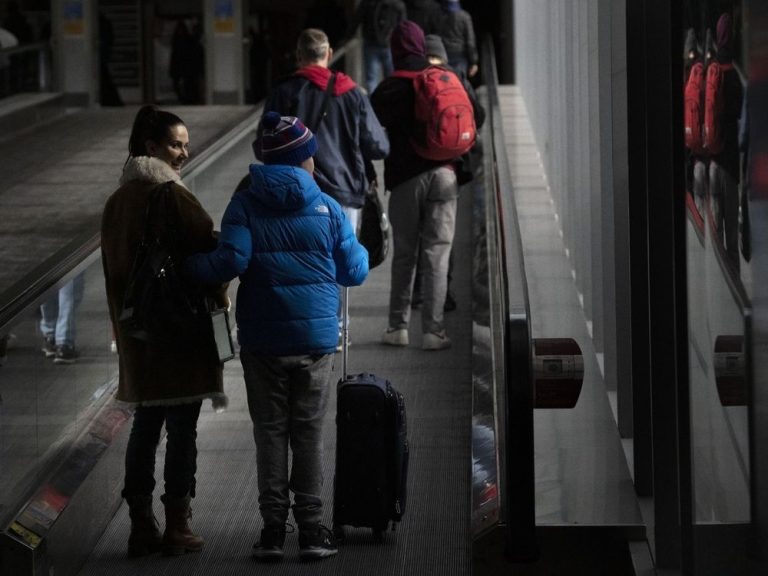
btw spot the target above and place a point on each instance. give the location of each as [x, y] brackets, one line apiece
[374, 227]
[160, 306]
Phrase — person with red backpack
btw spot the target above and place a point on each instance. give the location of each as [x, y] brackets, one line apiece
[437, 56]
[722, 109]
[695, 165]
[429, 119]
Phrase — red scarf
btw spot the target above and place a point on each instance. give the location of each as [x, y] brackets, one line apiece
[319, 76]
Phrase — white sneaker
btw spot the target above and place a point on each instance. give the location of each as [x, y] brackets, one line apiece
[395, 337]
[435, 341]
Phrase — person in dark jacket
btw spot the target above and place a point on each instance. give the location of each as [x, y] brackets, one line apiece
[349, 136]
[186, 65]
[378, 18]
[422, 208]
[109, 95]
[458, 34]
[291, 245]
[724, 166]
[167, 387]
[425, 13]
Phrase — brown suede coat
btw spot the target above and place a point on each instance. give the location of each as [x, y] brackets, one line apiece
[148, 375]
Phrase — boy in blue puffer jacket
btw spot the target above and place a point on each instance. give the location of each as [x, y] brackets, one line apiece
[291, 245]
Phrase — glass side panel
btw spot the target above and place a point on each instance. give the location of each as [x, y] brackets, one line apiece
[47, 390]
[719, 283]
[486, 351]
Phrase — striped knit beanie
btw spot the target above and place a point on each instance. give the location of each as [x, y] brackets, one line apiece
[285, 140]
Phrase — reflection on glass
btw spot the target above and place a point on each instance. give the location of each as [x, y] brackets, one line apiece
[719, 275]
[486, 340]
[716, 134]
[56, 367]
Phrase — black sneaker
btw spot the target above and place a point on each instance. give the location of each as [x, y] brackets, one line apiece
[270, 546]
[65, 355]
[49, 347]
[316, 543]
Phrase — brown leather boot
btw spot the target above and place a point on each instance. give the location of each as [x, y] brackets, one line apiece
[145, 535]
[178, 538]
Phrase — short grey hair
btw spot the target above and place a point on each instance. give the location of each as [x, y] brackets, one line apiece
[312, 45]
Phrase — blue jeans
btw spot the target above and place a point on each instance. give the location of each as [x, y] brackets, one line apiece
[287, 400]
[180, 456]
[58, 312]
[378, 65]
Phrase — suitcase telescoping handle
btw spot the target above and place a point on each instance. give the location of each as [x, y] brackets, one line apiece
[344, 330]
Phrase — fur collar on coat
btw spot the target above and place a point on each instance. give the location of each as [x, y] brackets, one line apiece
[147, 378]
[148, 169]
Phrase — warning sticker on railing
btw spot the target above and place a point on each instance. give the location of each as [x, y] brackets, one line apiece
[26, 535]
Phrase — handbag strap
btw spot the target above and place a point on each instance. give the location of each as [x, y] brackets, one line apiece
[160, 193]
[326, 99]
[315, 126]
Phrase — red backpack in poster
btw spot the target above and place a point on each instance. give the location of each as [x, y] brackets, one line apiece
[444, 121]
[714, 102]
[694, 94]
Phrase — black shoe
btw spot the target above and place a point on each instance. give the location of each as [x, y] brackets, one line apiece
[450, 303]
[270, 546]
[316, 543]
[49, 347]
[65, 355]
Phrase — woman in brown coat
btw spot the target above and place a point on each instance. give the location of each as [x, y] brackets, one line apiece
[166, 387]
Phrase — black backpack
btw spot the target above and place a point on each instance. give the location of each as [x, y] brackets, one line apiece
[381, 17]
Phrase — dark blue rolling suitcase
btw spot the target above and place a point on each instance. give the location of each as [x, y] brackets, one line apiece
[371, 452]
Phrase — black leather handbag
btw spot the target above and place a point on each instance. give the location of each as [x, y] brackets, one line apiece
[160, 306]
[374, 227]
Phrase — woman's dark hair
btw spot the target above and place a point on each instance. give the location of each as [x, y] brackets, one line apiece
[150, 123]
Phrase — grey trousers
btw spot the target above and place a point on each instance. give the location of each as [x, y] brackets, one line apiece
[422, 212]
[287, 400]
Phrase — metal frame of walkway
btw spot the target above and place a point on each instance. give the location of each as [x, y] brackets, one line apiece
[581, 475]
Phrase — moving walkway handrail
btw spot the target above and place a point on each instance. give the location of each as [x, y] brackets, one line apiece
[35, 47]
[13, 79]
[516, 442]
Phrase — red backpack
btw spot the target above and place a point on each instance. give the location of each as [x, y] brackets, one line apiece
[694, 91]
[444, 121]
[714, 102]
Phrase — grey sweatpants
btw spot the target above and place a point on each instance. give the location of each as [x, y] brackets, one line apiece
[422, 212]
